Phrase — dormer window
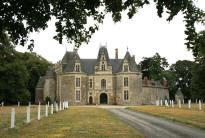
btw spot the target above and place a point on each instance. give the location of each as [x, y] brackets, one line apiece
[77, 68]
[103, 66]
[125, 68]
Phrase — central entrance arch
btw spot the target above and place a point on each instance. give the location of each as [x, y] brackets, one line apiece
[103, 98]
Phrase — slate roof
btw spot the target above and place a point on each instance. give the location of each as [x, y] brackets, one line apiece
[88, 65]
[152, 84]
[50, 71]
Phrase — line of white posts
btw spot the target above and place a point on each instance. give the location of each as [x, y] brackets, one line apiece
[28, 120]
[171, 102]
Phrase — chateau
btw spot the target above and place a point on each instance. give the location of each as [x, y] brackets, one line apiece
[99, 81]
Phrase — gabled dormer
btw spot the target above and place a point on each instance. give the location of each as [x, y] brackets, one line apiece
[77, 65]
[102, 60]
[125, 67]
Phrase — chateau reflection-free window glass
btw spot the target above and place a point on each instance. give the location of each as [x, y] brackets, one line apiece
[77, 82]
[77, 95]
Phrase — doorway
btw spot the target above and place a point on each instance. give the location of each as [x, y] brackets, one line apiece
[103, 98]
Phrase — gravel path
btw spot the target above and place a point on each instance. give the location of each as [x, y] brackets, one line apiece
[154, 127]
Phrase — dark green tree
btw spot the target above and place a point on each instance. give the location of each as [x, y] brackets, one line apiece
[13, 78]
[183, 75]
[19, 73]
[20, 18]
[36, 67]
[171, 83]
[154, 67]
[198, 80]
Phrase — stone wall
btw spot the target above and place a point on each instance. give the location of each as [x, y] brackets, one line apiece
[151, 94]
[67, 90]
[134, 89]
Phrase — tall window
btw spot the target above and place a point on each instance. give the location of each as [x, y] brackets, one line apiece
[77, 96]
[77, 68]
[126, 82]
[103, 83]
[91, 83]
[77, 83]
[103, 66]
[126, 96]
[125, 68]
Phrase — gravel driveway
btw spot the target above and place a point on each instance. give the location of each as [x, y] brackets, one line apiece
[154, 127]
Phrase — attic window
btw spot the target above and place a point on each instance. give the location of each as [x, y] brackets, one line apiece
[103, 66]
[77, 68]
[125, 68]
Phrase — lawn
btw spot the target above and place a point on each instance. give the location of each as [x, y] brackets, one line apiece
[192, 116]
[74, 122]
[20, 115]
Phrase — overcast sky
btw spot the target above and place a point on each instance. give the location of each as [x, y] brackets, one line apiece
[144, 35]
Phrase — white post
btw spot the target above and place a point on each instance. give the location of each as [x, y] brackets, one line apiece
[39, 112]
[56, 107]
[183, 101]
[196, 100]
[189, 104]
[2, 103]
[12, 117]
[48, 103]
[60, 105]
[199, 104]
[29, 104]
[172, 104]
[46, 110]
[180, 104]
[28, 114]
[161, 102]
[18, 103]
[51, 108]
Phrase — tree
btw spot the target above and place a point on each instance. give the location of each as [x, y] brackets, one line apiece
[198, 80]
[183, 75]
[19, 73]
[171, 83]
[154, 67]
[20, 18]
[13, 78]
[36, 67]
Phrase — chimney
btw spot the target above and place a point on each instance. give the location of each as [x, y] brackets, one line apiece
[146, 81]
[133, 58]
[164, 83]
[116, 54]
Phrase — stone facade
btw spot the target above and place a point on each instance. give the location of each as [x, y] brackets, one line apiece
[98, 81]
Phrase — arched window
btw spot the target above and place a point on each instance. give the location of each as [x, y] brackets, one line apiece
[103, 83]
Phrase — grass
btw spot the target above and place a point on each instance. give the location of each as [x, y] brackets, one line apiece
[20, 115]
[75, 122]
[192, 117]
